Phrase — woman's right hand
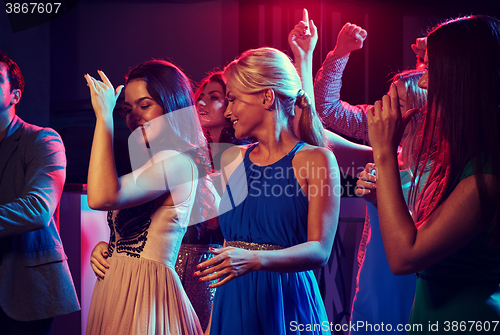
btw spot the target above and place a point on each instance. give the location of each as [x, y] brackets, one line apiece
[366, 186]
[103, 95]
[98, 259]
[303, 38]
[350, 38]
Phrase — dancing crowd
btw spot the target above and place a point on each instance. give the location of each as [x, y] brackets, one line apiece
[233, 199]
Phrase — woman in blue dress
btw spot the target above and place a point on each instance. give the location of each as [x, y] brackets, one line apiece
[280, 207]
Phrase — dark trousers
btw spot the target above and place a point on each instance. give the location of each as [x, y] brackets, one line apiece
[9, 326]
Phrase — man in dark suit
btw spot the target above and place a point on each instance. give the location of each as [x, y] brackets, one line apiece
[35, 281]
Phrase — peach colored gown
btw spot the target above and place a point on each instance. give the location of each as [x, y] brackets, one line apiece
[141, 292]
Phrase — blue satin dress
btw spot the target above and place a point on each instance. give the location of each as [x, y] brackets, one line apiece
[266, 205]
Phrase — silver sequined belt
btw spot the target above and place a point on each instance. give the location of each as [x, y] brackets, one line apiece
[253, 246]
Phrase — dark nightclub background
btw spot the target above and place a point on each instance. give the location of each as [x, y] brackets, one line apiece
[198, 36]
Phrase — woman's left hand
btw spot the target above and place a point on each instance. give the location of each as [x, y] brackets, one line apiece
[103, 95]
[386, 125]
[228, 264]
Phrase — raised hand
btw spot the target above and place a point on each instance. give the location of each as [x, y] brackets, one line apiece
[103, 95]
[420, 46]
[385, 125]
[98, 259]
[366, 186]
[228, 264]
[419, 49]
[350, 38]
[303, 37]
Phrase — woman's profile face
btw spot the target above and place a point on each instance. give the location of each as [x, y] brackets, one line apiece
[246, 112]
[139, 106]
[211, 105]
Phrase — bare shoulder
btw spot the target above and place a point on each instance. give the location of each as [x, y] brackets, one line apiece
[169, 164]
[320, 163]
[176, 161]
[233, 154]
[313, 154]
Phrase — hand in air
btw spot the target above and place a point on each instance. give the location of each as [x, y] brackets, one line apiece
[228, 264]
[420, 46]
[303, 37]
[350, 38]
[366, 186]
[103, 95]
[386, 125]
[98, 259]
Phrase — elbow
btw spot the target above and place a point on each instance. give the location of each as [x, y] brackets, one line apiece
[93, 205]
[322, 259]
[99, 200]
[400, 271]
[401, 267]
[42, 223]
[96, 203]
[92, 202]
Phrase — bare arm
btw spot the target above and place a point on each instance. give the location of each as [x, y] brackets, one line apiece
[102, 181]
[302, 40]
[452, 225]
[166, 171]
[351, 157]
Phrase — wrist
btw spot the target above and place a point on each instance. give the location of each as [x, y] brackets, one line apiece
[258, 261]
[385, 158]
[341, 52]
[104, 118]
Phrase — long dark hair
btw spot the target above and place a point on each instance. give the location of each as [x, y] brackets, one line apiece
[463, 114]
[171, 89]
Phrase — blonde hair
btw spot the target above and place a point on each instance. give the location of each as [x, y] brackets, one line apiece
[267, 68]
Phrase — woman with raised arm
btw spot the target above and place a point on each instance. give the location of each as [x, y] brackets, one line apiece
[211, 103]
[279, 209]
[451, 240]
[151, 207]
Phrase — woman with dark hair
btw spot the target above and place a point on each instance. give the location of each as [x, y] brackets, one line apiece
[380, 295]
[210, 97]
[211, 105]
[452, 238]
[150, 208]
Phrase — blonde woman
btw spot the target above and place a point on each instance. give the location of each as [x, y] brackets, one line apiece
[280, 206]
